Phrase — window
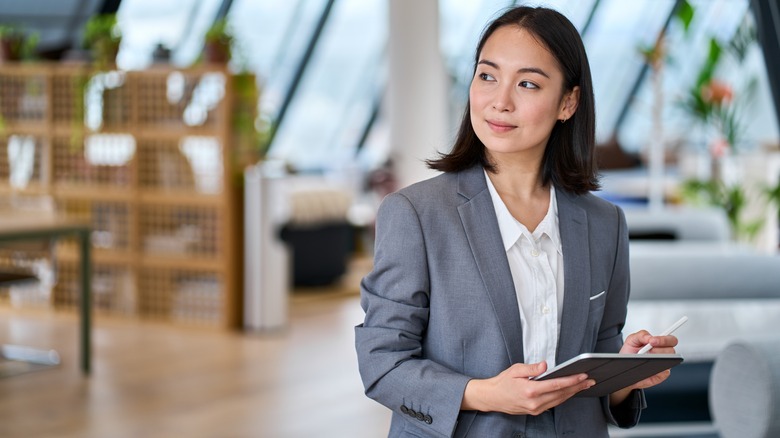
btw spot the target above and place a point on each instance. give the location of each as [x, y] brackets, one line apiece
[335, 99]
[179, 26]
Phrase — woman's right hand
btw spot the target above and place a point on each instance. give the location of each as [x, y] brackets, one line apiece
[512, 392]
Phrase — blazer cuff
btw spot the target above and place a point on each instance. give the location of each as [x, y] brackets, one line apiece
[626, 414]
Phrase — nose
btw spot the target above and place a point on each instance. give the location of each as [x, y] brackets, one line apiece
[502, 100]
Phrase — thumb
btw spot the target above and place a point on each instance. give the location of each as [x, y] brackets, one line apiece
[540, 367]
[528, 369]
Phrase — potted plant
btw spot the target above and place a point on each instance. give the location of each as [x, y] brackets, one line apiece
[15, 44]
[102, 38]
[218, 41]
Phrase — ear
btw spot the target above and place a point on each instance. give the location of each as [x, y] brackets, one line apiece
[569, 103]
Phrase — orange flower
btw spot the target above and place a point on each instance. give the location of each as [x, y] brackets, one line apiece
[719, 147]
[716, 92]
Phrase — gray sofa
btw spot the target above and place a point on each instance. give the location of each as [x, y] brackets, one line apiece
[684, 270]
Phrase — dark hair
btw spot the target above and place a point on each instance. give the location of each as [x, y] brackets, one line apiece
[569, 158]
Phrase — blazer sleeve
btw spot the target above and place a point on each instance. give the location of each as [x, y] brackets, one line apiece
[610, 338]
[395, 297]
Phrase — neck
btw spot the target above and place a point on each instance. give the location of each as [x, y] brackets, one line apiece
[518, 178]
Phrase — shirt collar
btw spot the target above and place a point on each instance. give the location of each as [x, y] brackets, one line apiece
[549, 224]
[511, 229]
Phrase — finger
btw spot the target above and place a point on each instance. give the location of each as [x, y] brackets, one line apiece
[662, 351]
[638, 339]
[560, 384]
[664, 341]
[555, 398]
[653, 380]
[663, 344]
[540, 397]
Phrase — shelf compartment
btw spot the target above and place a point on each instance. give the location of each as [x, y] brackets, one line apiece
[111, 222]
[191, 163]
[22, 160]
[114, 289]
[181, 98]
[183, 296]
[101, 160]
[23, 96]
[68, 97]
[180, 230]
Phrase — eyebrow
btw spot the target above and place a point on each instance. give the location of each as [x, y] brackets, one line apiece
[536, 70]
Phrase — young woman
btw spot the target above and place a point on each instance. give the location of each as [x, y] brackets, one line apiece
[505, 264]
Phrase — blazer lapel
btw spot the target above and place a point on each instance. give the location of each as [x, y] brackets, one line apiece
[484, 237]
[573, 224]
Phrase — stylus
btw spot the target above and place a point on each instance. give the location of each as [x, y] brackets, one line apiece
[666, 332]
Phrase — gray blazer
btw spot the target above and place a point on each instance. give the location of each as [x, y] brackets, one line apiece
[441, 308]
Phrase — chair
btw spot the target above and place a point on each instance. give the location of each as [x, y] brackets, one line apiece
[745, 389]
[20, 277]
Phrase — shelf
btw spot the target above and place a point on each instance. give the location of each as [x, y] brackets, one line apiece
[180, 198]
[182, 262]
[36, 128]
[151, 171]
[30, 190]
[87, 192]
[69, 254]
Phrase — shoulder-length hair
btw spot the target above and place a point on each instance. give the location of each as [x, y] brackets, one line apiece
[569, 158]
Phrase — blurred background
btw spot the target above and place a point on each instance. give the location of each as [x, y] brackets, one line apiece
[223, 161]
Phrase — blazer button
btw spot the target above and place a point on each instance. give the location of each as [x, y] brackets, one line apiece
[519, 435]
[404, 409]
[412, 413]
[428, 419]
[419, 416]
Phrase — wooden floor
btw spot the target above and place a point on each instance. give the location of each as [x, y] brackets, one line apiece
[155, 380]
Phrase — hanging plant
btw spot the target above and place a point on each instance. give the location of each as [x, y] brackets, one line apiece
[102, 38]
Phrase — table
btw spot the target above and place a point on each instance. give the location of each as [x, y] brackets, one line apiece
[27, 226]
[712, 324]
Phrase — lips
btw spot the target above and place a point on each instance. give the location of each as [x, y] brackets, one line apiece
[498, 126]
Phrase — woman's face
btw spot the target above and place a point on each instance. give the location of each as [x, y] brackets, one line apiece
[517, 94]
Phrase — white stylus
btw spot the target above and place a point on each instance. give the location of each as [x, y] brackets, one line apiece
[666, 332]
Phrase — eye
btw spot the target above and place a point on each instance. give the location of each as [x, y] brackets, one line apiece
[529, 85]
[486, 77]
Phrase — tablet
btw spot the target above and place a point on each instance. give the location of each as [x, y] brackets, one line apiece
[612, 371]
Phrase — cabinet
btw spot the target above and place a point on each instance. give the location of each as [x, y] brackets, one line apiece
[150, 159]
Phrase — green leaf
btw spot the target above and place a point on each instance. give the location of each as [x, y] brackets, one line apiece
[708, 69]
[685, 13]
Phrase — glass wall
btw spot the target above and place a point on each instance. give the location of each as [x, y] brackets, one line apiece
[336, 96]
[335, 103]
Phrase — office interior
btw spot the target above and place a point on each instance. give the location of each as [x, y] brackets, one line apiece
[220, 204]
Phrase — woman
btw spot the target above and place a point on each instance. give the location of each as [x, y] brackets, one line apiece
[505, 264]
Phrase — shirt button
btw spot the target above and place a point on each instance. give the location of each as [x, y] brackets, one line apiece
[535, 253]
[545, 310]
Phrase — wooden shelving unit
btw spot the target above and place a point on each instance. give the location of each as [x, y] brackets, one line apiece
[148, 157]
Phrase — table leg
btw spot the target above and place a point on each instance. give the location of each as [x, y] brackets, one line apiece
[85, 302]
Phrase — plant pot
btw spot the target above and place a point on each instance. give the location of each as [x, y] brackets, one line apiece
[10, 48]
[215, 52]
[104, 52]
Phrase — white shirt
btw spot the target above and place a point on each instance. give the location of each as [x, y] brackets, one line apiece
[536, 263]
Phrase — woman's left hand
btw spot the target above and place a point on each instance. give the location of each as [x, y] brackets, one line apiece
[632, 345]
